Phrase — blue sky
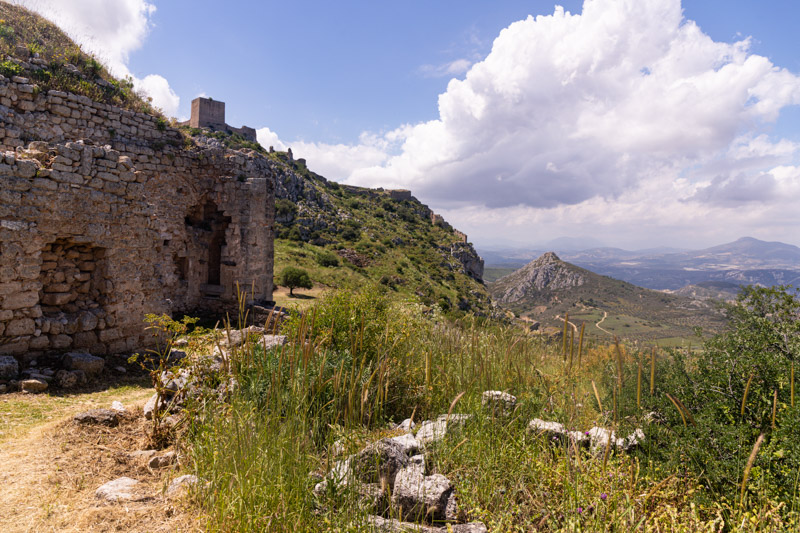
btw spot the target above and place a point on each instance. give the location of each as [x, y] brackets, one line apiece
[633, 122]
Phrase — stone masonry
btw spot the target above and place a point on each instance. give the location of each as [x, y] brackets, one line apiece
[209, 113]
[105, 215]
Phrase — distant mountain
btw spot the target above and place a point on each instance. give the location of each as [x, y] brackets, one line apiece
[547, 288]
[754, 249]
[563, 244]
[744, 261]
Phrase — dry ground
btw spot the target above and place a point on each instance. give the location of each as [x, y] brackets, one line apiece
[302, 298]
[50, 467]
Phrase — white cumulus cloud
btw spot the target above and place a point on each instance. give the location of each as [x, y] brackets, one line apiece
[110, 30]
[625, 119]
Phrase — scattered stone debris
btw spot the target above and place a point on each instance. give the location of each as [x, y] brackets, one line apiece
[597, 438]
[435, 430]
[86, 362]
[118, 407]
[181, 485]
[418, 497]
[498, 401]
[120, 489]
[98, 417]
[163, 460]
[33, 385]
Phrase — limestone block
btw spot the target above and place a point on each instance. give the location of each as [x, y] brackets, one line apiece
[20, 300]
[120, 489]
[60, 341]
[98, 417]
[88, 363]
[33, 385]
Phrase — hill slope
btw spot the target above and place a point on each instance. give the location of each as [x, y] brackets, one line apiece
[347, 236]
[547, 288]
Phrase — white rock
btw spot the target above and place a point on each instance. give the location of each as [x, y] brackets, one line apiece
[119, 489]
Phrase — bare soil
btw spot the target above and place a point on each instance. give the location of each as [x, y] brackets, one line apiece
[50, 467]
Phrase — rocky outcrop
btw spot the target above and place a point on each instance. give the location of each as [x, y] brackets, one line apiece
[547, 273]
[471, 262]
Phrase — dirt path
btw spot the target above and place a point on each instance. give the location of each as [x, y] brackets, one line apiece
[574, 327]
[601, 328]
[50, 467]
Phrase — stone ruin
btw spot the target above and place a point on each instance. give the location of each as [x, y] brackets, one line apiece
[210, 114]
[106, 215]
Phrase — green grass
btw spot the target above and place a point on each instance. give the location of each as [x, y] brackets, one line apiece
[359, 361]
[396, 241]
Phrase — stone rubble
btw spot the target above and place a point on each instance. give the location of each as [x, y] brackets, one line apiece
[98, 417]
[120, 489]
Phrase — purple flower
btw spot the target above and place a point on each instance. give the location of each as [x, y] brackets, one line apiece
[603, 496]
[580, 510]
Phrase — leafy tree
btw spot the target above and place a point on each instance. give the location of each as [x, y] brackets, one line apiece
[295, 278]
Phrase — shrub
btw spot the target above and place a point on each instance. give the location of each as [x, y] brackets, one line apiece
[295, 278]
[9, 69]
[755, 354]
[327, 259]
[350, 234]
[285, 208]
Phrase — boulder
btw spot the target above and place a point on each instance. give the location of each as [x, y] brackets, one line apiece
[435, 430]
[98, 417]
[90, 364]
[408, 442]
[33, 385]
[120, 489]
[150, 406]
[118, 407]
[163, 460]
[181, 485]
[237, 337]
[406, 425]
[9, 367]
[419, 497]
[66, 379]
[379, 462]
[498, 401]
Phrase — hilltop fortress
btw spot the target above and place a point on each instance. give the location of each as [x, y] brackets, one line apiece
[106, 215]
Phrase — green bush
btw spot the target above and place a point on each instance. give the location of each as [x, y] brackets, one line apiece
[756, 354]
[9, 69]
[327, 259]
[285, 208]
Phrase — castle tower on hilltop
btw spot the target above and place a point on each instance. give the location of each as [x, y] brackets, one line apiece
[209, 113]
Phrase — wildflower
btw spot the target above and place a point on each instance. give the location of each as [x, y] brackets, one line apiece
[580, 510]
[603, 496]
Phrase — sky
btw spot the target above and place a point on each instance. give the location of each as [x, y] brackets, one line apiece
[633, 123]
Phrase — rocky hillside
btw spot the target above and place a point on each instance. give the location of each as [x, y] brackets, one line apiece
[346, 236]
[547, 288]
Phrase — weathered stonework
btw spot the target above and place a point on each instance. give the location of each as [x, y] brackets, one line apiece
[209, 113]
[105, 216]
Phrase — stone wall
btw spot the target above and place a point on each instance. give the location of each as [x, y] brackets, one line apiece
[105, 216]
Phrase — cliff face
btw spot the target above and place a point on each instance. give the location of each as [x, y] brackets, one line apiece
[107, 214]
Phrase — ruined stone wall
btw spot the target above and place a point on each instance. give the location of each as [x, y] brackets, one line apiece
[105, 216]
